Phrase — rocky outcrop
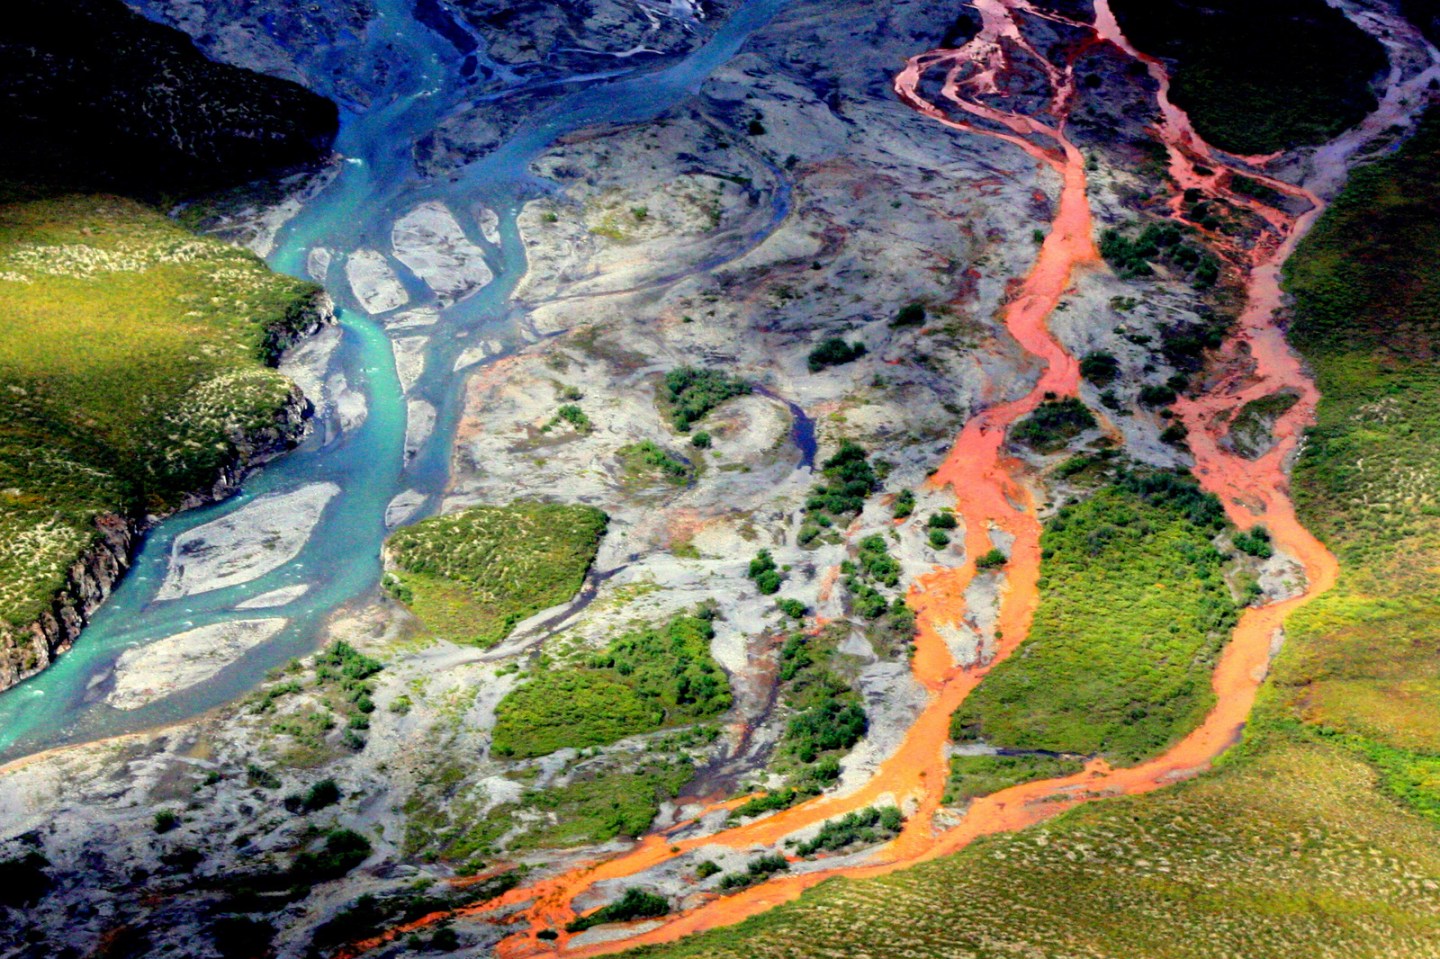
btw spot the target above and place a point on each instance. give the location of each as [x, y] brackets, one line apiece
[95, 573]
[84, 79]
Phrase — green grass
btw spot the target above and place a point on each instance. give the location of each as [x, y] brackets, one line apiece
[1244, 91]
[1367, 320]
[1133, 610]
[645, 463]
[472, 576]
[134, 358]
[972, 776]
[645, 680]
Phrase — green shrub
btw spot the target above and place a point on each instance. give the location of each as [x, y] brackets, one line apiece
[689, 394]
[166, 820]
[756, 870]
[1100, 367]
[645, 459]
[862, 827]
[765, 573]
[973, 776]
[848, 480]
[633, 904]
[1053, 424]
[701, 440]
[904, 504]
[994, 559]
[911, 314]
[341, 851]
[792, 608]
[706, 869]
[833, 351]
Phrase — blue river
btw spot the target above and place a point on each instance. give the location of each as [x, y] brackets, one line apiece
[431, 73]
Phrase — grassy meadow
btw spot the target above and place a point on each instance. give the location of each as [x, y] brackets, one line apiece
[134, 356]
[472, 576]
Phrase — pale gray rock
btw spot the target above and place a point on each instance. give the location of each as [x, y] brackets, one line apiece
[374, 283]
[430, 241]
[145, 674]
[245, 545]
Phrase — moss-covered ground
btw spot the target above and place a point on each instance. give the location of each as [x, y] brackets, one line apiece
[472, 576]
[133, 356]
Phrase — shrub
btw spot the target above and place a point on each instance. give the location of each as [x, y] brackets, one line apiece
[689, 394]
[756, 870]
[792, 607]
[633, 904]
[904, 504]
[640, 459]
[322, 794]
[572, 414]
[991, 560]
[342, 851]
[166, 820]
[1100, 367]
[864, 826]
[911, 314]
[1053, 424]
[1255, 542]
[472, 576]
[701, 440]
[939, 539]
[644, 680]
[944, 519]
[706, 869]
[876, 561]
[833, 351]
[1155, 395]
[765, 573]
[848, 480]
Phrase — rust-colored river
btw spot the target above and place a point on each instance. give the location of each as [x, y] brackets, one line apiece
[991, 494]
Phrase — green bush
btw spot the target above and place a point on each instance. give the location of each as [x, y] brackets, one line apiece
[911, 314]
[646, 460]
[1100, 367]
[939, 539]
[765, 573]
[904, 504]
[1053, 424]
[792, 608]
[834, 351]
[633, 904]
[166, 820]
[701, 440]
[1131, 579]
[756, 870]
[994, 559]
[689, 394]
[862, 827]
[341, 851]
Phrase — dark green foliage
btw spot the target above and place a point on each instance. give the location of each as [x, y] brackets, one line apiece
[833, 351]
[242, 937]
[828, 726]
[994, 559]
[756, 870]
[572, 414]
[701, 440]
[769, 802]
[862, 827]
[848, 480]
[939, 538]
[765, 573]
[706, 869]
[1156, 395]
[944, 519]
[644, 680]
[972, 776]
[1131, 580]
[23, 879]
[1255, 542]
[689, 394]
[1159, 243]
[166, 820]
[1246, 91]
[911, 314]
[1099, 367]
[342, 851]
[1053, 424]
[1175, 434]
[876, 561]
[633, 904]
[321, 794]
[261, 777]
[904, 504]
[792, 607]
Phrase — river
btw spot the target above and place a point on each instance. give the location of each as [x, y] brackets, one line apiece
[426, 78]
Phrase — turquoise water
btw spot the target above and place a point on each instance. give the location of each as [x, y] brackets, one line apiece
[426, 78]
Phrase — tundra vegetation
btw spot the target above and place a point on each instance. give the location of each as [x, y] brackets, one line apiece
[135, 364]
[472, 576]
[644, 680]
[689, 394]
